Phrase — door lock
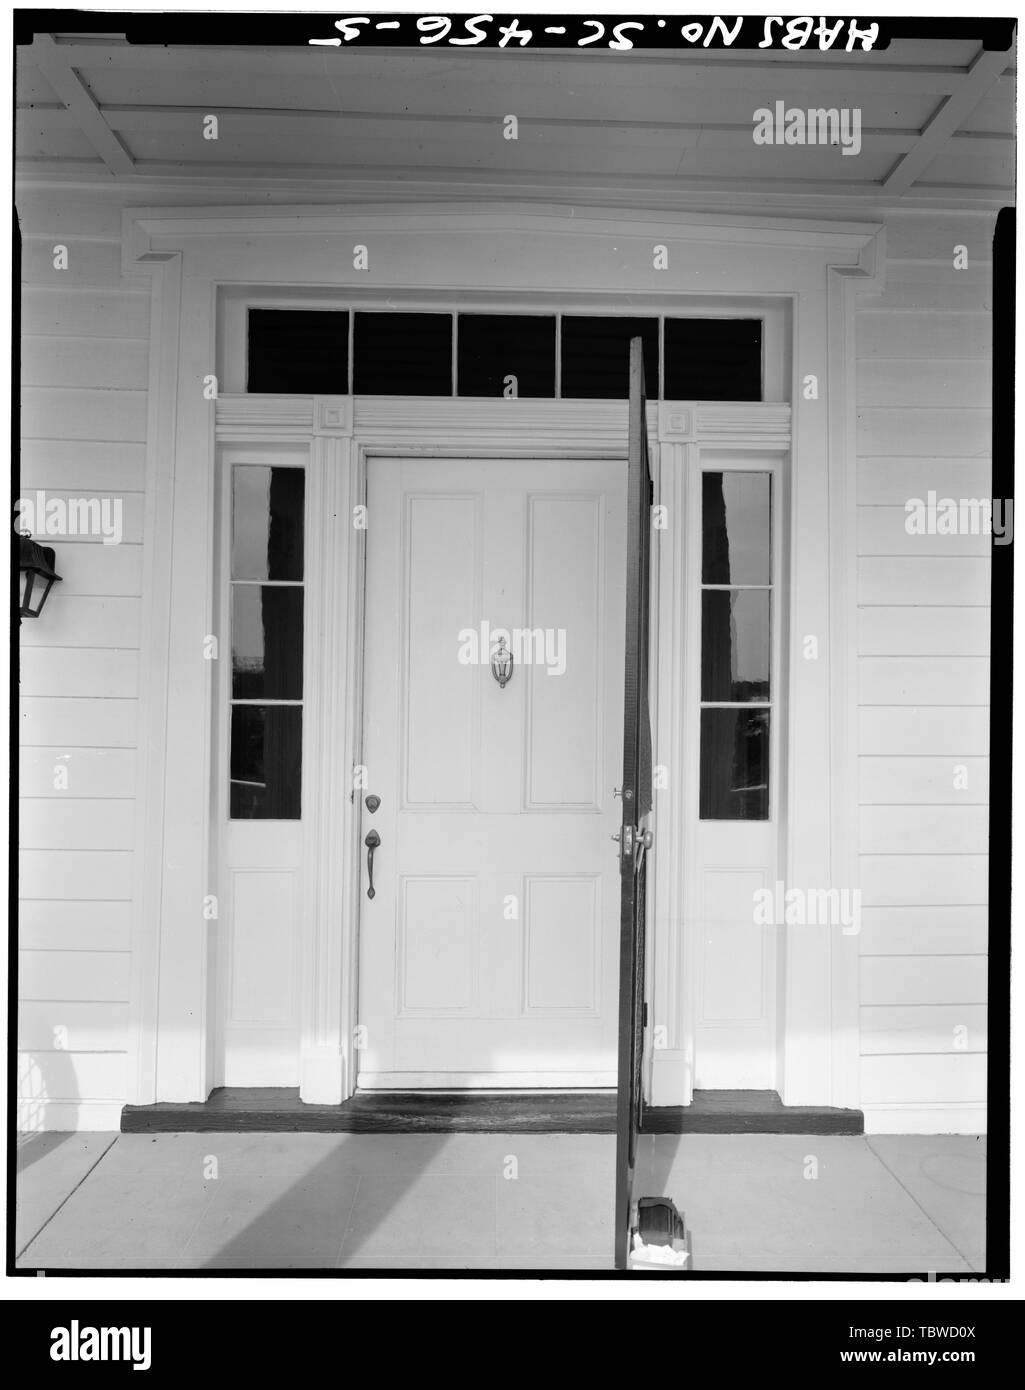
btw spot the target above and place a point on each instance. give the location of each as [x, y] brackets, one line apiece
[372, 802]
[633, 842]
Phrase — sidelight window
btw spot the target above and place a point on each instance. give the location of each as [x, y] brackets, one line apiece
[267, 522]
[736, 628]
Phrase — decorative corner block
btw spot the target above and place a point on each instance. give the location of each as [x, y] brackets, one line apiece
[675, 423]
[332, 415]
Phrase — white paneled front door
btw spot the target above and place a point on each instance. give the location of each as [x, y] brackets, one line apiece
[488, 951]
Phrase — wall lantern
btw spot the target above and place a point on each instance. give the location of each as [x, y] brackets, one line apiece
[38, 575]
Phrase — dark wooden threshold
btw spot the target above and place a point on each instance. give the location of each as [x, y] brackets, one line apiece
[236, 1109]
[384, 1112]
[749, 1112]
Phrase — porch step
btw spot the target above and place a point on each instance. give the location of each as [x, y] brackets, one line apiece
[749, 1112]
[383, 1112]
[232, 1109]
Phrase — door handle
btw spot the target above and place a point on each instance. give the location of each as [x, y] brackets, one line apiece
[372, 841]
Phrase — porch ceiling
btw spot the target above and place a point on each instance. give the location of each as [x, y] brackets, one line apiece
[665, 129]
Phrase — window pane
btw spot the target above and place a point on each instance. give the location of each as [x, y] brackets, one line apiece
[713, 359]
[734, 776]
[492, 347]
[266, 642]
[596, 357]
[735, 644]
[403, 355]
[736, 525]
[298, 351]
[266, 762]
[267, 522]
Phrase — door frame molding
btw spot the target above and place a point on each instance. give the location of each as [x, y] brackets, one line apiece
[192, 254]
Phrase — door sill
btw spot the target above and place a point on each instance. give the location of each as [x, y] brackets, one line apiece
[279, 1109]
[749, 1112]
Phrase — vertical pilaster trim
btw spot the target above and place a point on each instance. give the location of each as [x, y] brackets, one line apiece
[185, 1039]
[324, 1056]
[165, 275]
[845, 285]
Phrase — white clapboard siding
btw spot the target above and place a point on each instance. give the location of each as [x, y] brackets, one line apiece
[75, 362]
[75, 1026]
[106, 468]
[891, 481]
[924, 829]
[66, 774]
[923, 424]
[929, 729]
[945, 384]
[75, 874]
[84, 374]
[924, 680]
[97, 571]
[77, 723]
[90, 517]
[96, 976]
[884, 530]
[63, 412]
[95, 264]
[905, 430]
[62, 213]
[61, 312]
[910, 631]
[930, 236]
[923, 980]
[923, 878]
[79, 824]
[86, 620]
[930, 580]
[111, 673]
[969, 291]
[46, 925]
[889, 1030]
[64, 1075]
[923, 780]
[886, 333]
[939, 929]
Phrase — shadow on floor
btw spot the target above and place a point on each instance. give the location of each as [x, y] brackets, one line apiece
[895, 1206]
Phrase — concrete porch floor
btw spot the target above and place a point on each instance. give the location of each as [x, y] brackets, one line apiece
[879, 1204]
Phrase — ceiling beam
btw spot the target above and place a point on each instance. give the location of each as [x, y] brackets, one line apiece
[76, 96]
[708, 70]
[269, 121]
[263, 120]
[982, 76]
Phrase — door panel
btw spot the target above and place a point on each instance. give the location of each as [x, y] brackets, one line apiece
[488, 953]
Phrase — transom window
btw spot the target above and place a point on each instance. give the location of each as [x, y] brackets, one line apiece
[553, 356]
